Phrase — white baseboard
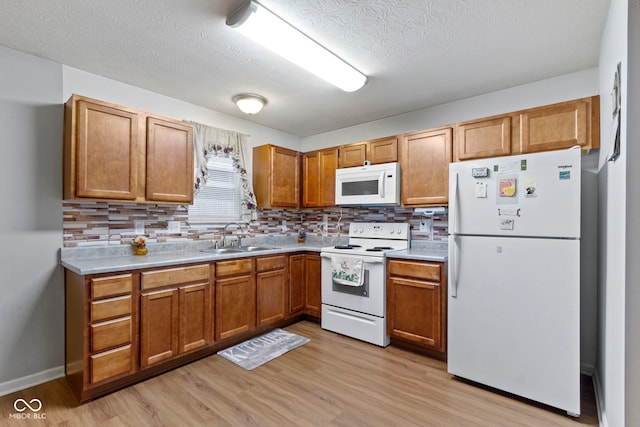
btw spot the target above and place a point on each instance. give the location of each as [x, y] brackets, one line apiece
[597, 388]
[31, 380]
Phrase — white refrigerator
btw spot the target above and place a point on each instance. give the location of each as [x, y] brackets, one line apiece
[514, 275]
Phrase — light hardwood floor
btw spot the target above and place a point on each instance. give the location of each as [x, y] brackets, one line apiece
[331, 381]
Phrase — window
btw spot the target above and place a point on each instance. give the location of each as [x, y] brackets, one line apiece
[219, 198]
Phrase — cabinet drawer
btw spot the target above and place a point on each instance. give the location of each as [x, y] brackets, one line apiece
[424, 271]
[110, 334]
[270, 263]
[110, 308]
[233, 267]
[174, 276]
[110, 363]
[102, 287]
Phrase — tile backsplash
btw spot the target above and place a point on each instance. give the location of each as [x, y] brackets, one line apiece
[109, 223]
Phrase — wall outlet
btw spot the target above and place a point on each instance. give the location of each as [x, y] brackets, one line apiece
[325, 222]
[423, 224]
[284, 225]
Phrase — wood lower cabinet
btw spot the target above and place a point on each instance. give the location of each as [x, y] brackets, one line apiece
[101, 329]
[319, 178]
[196, 317]
[235, 311]
[424, 167]
[313, 291]
[175, 312]
[304, 285]
[272, 279]
[276, 177]
[297, 284]
[121, 328]
[159, 323]
[416, 303]
[112, 152]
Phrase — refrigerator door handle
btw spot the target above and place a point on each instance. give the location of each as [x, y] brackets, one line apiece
[453, 238]
[453, 275]
[453, 205]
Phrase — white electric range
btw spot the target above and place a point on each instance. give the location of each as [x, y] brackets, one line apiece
[354, 280]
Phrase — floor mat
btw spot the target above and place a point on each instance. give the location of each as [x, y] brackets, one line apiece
[258, 351]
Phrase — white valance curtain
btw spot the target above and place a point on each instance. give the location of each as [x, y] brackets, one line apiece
[210, 141]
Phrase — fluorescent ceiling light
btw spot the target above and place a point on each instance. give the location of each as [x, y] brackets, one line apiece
[249, 103]
[259, 24]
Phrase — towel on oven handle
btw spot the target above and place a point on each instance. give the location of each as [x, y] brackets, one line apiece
[347, 271]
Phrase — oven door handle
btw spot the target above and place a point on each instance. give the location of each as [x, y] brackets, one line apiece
[365, 259]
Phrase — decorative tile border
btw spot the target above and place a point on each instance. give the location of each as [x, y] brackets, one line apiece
[106, 223]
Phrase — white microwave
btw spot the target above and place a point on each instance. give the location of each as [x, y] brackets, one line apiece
[369, 185]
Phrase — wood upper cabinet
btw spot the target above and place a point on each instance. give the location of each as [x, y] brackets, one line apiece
[175, 312]
[103, 147]
[271, 289]
[381, 150]
[276, 177]
[113, 152]
[235, 299]
[416, 303]
[489, 137]
[169, 161]
[561, 125]
[424, 167]
[551, 127]
[319, 178]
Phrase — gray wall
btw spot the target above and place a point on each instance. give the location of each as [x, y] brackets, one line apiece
[632, 295]
[31, 317]
[612, 219]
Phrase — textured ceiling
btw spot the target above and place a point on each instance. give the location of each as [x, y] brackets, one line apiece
[417, 53]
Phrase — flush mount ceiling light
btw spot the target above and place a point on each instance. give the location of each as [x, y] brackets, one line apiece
[249, 103]
[259, 24]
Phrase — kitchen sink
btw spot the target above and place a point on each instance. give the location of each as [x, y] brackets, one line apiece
[253, 248]
[221, 251]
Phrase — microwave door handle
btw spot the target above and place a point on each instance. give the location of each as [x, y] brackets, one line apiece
[381, 185]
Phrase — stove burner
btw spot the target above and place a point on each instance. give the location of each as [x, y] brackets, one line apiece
[346, 246]
[379, 248]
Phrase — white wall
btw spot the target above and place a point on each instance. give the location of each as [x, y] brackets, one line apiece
[612, 219]
[632, 294]
[563, 88]
[32, 286]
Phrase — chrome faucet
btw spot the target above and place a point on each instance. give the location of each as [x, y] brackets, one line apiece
[224, 233]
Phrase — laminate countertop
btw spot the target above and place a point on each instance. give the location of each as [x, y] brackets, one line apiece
[420, 254]
[96, 261]
[121, 262]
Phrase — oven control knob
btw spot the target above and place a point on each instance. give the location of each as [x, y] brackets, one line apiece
[392, 231]
[399, 231]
